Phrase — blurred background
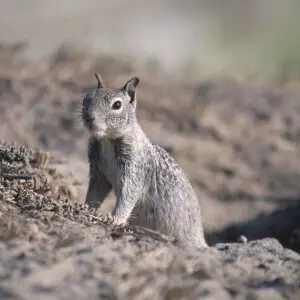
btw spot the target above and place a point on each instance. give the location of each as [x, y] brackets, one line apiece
[238, 37]
[219, 90]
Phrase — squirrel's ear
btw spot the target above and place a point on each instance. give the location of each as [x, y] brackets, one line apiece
[100, 82]
[130, 89]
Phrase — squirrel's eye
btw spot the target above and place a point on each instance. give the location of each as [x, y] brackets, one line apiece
[117, 105]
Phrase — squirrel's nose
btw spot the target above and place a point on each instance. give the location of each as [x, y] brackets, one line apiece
[88, 117]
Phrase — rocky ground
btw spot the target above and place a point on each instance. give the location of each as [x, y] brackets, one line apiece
[237, 142]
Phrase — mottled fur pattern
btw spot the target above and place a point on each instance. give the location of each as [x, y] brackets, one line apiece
[151, 189]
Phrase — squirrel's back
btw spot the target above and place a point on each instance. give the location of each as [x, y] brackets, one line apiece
[170, 205]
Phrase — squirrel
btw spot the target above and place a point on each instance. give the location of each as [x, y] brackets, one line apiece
[151, 189]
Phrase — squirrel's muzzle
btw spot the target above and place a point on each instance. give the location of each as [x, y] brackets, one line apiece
[89, 118]
[92, 124]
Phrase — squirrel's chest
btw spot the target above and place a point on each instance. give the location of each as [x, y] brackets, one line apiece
[108, 163]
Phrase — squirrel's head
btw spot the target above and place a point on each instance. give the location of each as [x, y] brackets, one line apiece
[110, 111]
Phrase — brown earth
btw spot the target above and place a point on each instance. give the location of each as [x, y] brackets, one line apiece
[237, 142]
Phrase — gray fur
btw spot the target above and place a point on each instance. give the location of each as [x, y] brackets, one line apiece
[151, 189]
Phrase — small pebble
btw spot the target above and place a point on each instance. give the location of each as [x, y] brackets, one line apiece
[242, 239]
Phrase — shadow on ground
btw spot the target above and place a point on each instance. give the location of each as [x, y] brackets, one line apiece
[282, 224]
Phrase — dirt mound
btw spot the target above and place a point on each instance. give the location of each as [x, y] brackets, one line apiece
[53, 249]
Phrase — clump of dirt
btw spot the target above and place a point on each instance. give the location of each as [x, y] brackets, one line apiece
[51, 248]
[35, 169]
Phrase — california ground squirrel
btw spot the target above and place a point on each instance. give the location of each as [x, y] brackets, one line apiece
[151, 189]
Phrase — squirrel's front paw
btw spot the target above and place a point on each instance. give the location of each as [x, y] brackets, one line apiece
[115, 221]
